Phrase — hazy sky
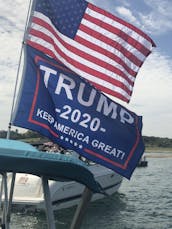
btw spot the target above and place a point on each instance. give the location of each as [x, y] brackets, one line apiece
[153, 87]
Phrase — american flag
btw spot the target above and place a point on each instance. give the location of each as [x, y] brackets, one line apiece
[100, 47]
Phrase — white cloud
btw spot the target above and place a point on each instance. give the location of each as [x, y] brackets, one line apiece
[163, 7]
[107, 5]
[12, 26]
[156, 72]
[152, 95]
[127, 14]
[159, 19]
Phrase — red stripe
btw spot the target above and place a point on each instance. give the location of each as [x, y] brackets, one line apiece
[78, 51]
[112, 43]
[99, 87]
[106, 53]
[122, 35]
[132, 151]
[96, 61]
[113, 17]
[30, 119]
[135, 145]
[111, 92]
[98, 36]
[78, 65]
[56, 64]
[42, 49]
[103, 158]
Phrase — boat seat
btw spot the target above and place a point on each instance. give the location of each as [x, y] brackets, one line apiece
[19, 157]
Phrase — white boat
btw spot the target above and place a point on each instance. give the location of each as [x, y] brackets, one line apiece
[50, 180]
[28, 191]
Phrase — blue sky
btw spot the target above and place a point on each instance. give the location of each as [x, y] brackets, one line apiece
[152, 16]
[152, 93]
[153, 88]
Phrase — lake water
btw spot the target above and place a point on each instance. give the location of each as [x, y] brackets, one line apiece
[144, 202]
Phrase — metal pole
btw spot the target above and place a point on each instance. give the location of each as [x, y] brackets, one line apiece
[48, 205]
[11, 197]
[5, 206]
[18, 69]
[81, 209]
[8, 207]
[1, 205]
[8, 204]
[1, 191]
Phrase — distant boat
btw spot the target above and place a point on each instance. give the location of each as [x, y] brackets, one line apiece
[143, 162]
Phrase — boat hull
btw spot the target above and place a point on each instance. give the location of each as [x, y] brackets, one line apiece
[28, 189]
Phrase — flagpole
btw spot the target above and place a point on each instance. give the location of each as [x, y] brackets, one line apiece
[12, 108]
[18, 70]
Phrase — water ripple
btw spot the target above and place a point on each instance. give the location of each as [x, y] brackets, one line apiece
[144, 202]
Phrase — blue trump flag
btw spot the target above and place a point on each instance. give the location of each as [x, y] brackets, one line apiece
[64, 107]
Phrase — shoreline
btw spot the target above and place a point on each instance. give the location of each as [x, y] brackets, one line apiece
[158, 152]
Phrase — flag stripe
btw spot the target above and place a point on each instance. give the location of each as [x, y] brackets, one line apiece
[113, 37]
[66, 48]
[72, 59]
[95, 70]
[106, 51]
[85, 69]
[116, 56]
[116, 93]
[122, 23]
[113, 46]
[83, 51]
[115, 32]
[101, 80]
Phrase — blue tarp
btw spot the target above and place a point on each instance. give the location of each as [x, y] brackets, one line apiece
[20, 157]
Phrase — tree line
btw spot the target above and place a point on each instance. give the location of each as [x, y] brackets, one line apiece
[30, 136]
